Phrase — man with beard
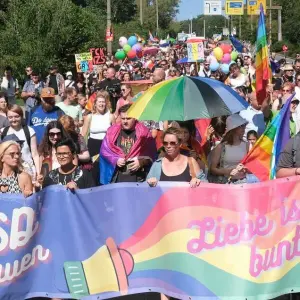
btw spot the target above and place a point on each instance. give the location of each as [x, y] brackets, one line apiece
[42, 114]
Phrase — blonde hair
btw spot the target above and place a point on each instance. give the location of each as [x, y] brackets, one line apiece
[3, 147]
[103, 95]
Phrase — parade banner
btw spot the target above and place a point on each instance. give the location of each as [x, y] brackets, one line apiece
[234, 7]
[253, 6]
[84, 62]
[214, 241]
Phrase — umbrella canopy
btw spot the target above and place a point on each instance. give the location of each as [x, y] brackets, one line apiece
[186, 60]
[187, 98]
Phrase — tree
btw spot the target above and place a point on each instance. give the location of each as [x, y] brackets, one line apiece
[122, 11]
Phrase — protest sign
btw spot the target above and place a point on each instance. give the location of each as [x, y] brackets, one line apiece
[98, 55]
[84, 62]
[195, 49]
[130, 238]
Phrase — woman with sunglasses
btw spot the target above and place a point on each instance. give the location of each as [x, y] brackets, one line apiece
[126, 98]
[12, 178]
[54, 133]
[286, 92]
[30, 156]
[174, 166]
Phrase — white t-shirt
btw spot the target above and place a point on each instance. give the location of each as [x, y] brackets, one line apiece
[9, 86]
[26, 154]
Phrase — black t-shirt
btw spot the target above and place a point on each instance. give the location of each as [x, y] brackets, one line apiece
[125, 141]
[53, 83]
[83, 178]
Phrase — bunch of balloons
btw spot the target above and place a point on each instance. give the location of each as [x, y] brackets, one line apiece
[130, 48]
[222, 58]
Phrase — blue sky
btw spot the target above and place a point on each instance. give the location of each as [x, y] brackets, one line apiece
[190, 8]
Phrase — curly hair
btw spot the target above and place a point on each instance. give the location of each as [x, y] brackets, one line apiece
[45, 148]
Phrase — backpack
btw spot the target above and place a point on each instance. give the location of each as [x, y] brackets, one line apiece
[296, 145]
[26, 132]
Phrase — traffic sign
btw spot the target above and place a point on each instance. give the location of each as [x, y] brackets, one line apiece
[253, 7]
[212, 7]
[234, 7]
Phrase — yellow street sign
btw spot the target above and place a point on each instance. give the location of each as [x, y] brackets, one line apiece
[254, 5]
[234, 7]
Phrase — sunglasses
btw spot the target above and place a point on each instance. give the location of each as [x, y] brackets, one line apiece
[53, 134]
[173, 144]
[63, 154]
[13, 154]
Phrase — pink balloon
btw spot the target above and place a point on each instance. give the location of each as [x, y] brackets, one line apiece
[137, 47]
[226, 58]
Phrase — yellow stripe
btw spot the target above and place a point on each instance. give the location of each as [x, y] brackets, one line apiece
[233, 259]
[139, 106]
[266, 144]
[260, 56]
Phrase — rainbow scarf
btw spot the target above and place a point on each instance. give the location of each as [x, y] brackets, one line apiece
[144, 146]
[263, 71]
[263, 158]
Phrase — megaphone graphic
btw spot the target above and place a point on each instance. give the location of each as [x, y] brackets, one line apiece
[105, 271]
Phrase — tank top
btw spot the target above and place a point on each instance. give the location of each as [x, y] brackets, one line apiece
[13, 184]
[185, 176]
[99, 125]
[234, 155]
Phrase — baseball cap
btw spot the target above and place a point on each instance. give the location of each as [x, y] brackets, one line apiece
[53, 67]
[69, 73]
[48, 93]
[12, 137]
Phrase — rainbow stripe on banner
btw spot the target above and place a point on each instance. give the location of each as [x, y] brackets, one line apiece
[263, 71]
[263, 157]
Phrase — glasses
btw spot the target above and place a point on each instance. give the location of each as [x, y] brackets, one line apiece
[53, 134]
[13, 154]
[286, 91]
[63, 154]
[172, 144]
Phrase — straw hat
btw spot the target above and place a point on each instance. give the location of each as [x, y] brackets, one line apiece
[234, 121]
[288, 67]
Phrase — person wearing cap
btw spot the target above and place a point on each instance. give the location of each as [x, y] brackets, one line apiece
[69, 82]
[227, 156]
[288, 73]
[42, 114]
[57, 82]
[31, 92]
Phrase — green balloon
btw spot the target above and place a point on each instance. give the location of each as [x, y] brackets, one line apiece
[234, 55]
[120, 55]
[126, 48]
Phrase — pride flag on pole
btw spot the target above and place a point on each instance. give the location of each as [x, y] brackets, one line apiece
[262, 159]
[263, 71]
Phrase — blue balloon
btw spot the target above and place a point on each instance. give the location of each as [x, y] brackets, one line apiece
[132, 40]
[214, 66]
[225, 68]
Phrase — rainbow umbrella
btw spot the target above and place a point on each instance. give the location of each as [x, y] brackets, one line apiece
[187, 98]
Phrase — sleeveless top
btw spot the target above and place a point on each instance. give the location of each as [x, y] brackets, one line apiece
[99, 125]
[185, 176]
[233, 155]
[13, 185]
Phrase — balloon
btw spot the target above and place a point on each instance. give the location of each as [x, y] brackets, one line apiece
[137, 47]
[211, 59]
[131, 54]
[122, 41]
[132, 40]
[126, 48]
[226, 58]
[234, 55]
[226, 48]
[214, 66]
[225, 68]
[120, 55]
[218, 52]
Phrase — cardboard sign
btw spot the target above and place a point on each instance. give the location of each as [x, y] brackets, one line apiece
[98, 55]
[195, 51]
[84, 62]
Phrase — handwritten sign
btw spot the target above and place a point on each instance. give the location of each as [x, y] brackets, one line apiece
[84, 62]
[98, 55]
[195, 51]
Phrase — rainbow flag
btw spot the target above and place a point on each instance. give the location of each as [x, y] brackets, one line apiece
[263, 70]
[262, 159]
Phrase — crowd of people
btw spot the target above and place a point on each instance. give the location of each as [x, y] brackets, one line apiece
[53, 138]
